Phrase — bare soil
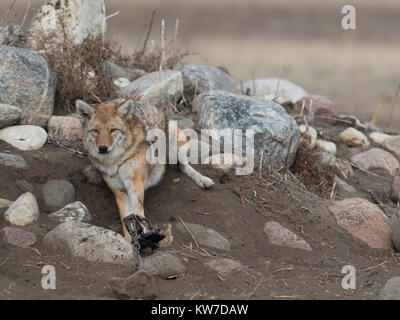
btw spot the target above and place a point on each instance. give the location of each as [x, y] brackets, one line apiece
[233, 208]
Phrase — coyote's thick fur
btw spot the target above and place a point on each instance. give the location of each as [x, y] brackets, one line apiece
[114, 137]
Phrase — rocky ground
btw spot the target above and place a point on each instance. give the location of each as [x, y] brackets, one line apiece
[323, 195]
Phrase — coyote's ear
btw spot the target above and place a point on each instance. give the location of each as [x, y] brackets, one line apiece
[125, 109]
[85, 111]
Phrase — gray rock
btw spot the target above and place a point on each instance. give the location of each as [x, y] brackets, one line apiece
[162, 265]
[206, 236]
[225, 267]
[24, 137]
[200, 79]
[115, 71]
[139, 285]
[159, 88]
[58, 193]
[88, 242]
[280, 90]
[273, 127]
[17, 237]
[76, 211]
[182, 122]
[11, 160]
[27, 82]
[391, 289]
[353, 138]
[93, 175]
[9, 115]
[281, 236]
[23, 211]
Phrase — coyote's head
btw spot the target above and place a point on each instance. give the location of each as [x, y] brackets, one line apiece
[109, 128]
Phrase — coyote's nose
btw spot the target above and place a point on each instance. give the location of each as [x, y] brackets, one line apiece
[103, 149]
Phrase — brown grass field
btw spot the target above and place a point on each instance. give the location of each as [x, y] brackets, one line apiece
[355, 68]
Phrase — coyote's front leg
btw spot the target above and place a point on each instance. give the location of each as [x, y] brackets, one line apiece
[130, 199]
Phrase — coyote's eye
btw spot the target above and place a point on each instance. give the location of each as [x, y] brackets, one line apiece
[94, 131]
[113, 130]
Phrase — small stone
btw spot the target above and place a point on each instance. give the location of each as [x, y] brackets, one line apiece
[23, 211]
[309, 136]
[379, 137]
[395, 189]
[326, 146]
[4, 203]
[58, 193]
[76, 211]
[17, 237]
[25, 137]
[364, 221]
[66, 129]
[353, 138]
[139, 285]
[316, 105]
[13, 161]
[206, 236]
[376, 158]
[93, 176]
[225, 267]
[90, 243]
[391, 289]
[281, 236]
[163, 265]
[393, 144]
[167, 230]
[9, 115]
[343, 186]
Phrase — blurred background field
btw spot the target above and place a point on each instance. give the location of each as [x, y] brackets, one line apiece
[258, 38]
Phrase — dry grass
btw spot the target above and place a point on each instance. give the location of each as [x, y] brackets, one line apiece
[155, 56]
[81, 68]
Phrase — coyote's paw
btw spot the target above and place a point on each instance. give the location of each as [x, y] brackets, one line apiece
[205, 182]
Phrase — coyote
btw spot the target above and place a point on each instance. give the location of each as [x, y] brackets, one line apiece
[114, 137]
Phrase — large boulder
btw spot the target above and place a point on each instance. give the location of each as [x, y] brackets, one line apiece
[76, 18]
[27, 82]
[274, 130]
[280, 90]
[58, 193]
[364, 221]
[160, 88]
[199, 79]
[91, 243]
[376, 158]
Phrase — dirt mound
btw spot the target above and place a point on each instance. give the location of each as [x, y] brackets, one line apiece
[236, 207]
